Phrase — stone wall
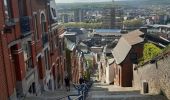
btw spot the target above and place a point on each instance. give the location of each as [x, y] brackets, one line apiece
[157, 75]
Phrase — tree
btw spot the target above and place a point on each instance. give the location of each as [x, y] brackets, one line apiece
[84, 25]
[133, 23]
[150, 51]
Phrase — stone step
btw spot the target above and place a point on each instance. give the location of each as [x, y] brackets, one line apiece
[126, 97]
[114, 93]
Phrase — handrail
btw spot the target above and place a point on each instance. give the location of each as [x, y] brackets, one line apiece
[82, 92]
[78, 97]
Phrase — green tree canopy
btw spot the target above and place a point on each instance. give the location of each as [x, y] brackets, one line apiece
[133, 23]
[84, 25]
[150, 51]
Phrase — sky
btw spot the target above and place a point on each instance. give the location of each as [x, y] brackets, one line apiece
[72, 1]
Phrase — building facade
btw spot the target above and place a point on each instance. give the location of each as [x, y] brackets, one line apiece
[125, 54]
[32, 61]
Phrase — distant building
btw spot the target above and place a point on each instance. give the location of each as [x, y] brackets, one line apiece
[79, 15]
[108, 20]
[31, 52]
[105, 36]
[65, 18]
[112, 18]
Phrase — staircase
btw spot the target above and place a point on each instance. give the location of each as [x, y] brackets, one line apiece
[110, 92]
[59, 94]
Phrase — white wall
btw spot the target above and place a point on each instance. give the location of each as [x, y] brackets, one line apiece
[109, 74]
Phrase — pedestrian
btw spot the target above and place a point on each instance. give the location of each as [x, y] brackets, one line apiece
[67, 82]
[81, 80]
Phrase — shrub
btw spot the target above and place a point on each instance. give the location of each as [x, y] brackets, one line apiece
[150, 51]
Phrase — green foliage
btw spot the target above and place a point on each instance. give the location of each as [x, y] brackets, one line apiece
[133, 23]
[86, 5]
[90, 63]
[84, 25]
[86, 75]
[150, 51]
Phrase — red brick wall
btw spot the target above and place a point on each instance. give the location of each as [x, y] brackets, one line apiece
[38, 6]
[124, 71]
[19, 62]
[127, 65]
[8, 70]
[127, 72]
[3, 83]
[15, 30]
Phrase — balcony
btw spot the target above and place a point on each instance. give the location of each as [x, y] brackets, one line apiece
[44, 38]
[25, 25]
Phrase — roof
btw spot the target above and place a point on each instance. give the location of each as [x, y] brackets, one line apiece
[134, 37]
[97, 49]
[121, 50]
[107, 30]
[125, 44]
[77, 30]
[70, 33]
[82, 44]
[70, 45]
[159, 25]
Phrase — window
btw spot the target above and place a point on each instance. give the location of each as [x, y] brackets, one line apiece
[27, 56]
[46, 59]
[43, 23]
[7, 7]
[57, 41]
[36, 37]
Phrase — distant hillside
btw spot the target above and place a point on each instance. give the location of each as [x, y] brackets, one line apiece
[133, 3]
[84, 5]
[143, 2]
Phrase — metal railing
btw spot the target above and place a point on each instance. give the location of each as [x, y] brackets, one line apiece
[82, 92]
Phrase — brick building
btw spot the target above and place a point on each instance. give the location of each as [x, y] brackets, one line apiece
[30, 53]
[126, 53]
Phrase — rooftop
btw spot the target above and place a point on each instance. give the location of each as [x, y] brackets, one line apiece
[107, 30]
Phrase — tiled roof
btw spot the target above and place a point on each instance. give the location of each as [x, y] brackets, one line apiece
[125, 44]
